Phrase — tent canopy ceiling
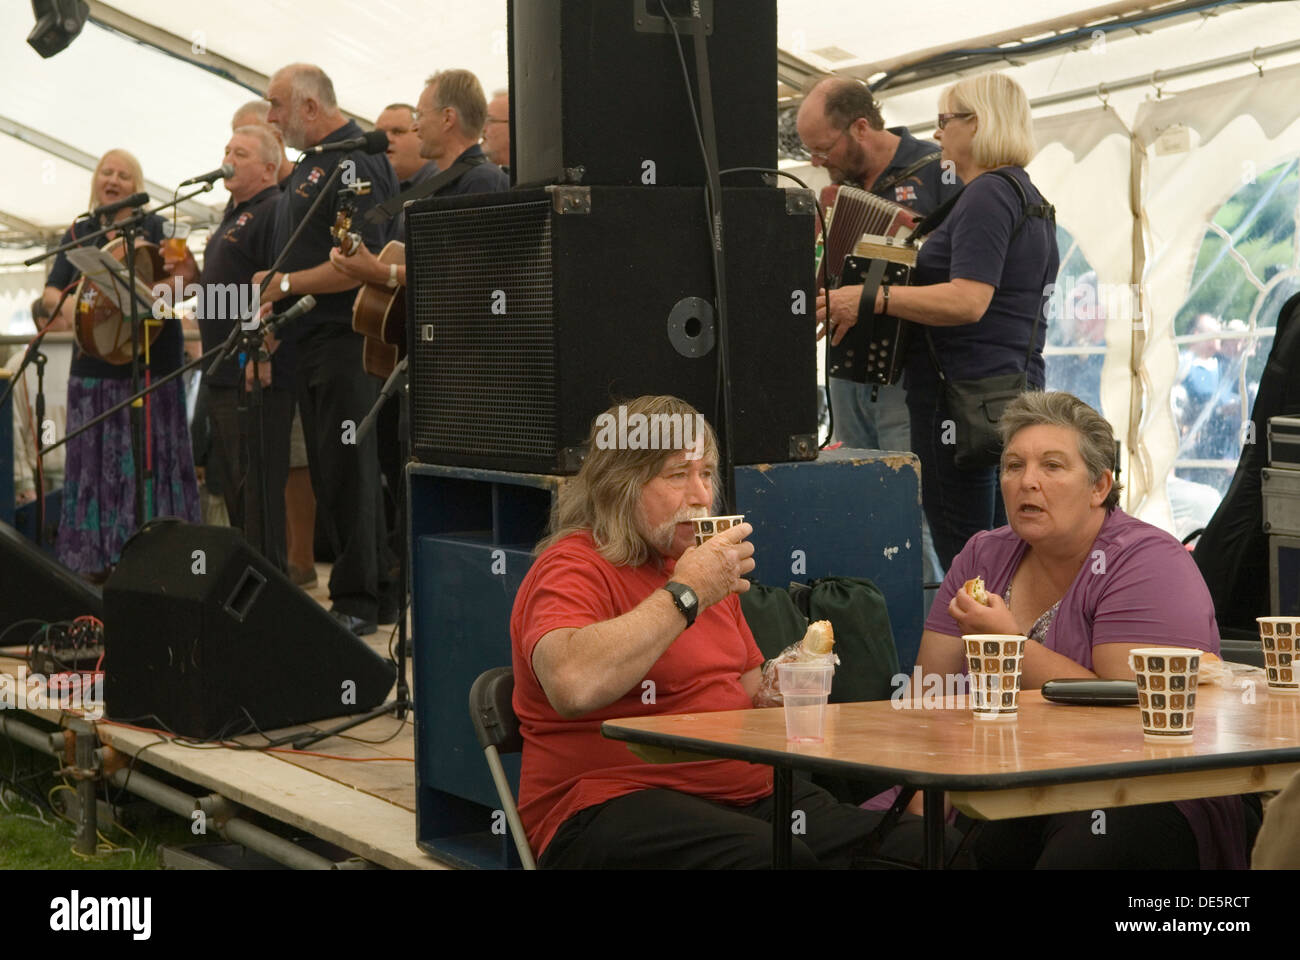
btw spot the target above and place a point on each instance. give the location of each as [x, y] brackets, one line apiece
[174, 114]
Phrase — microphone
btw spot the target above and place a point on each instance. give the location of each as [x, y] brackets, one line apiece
[135, 200]
[304, 305]
[376, 141]
[221, 173]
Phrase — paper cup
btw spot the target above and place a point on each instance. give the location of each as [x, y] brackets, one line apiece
[1280, 637]
[994, 661]
[1166, 682]
[805, 688]
[707, 527]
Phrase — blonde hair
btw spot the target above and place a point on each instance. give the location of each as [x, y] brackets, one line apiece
[604, 499]
[460, 90]
[1060, 409]
[129, 161]
[1005, 131]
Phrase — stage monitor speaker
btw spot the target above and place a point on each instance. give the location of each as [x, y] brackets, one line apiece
[32, 586]
[531, 312]
[204, 638]
[597, 94]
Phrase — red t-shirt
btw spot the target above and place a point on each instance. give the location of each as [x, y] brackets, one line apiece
[567, 765]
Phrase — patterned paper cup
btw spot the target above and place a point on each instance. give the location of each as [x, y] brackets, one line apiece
[1280, 637]
[706, 527]
[1166, 682]
[994, 660]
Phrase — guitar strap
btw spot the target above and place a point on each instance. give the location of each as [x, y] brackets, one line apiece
[445, 178]
[906, 172]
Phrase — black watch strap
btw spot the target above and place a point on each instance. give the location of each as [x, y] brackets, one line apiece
[685, 599]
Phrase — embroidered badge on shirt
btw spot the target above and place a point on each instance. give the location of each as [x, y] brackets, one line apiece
[904, 192]
[313, 179]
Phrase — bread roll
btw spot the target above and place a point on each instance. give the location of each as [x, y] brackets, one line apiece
[819, 639]
[976, 590]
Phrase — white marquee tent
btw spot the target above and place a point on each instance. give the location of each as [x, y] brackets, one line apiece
[1151, 117]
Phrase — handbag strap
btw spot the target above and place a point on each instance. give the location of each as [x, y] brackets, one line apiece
[1042, 210]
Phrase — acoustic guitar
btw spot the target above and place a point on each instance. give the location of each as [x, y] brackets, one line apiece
[379, 315]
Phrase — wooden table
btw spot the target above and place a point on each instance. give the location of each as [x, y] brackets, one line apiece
[1052, 759]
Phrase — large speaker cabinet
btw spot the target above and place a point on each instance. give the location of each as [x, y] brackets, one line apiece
[598, 95]
[531, 312]
[204, 637]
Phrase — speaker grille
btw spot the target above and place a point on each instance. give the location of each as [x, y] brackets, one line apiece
[483, 337]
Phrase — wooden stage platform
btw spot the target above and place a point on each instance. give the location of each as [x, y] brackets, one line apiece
[354, 794]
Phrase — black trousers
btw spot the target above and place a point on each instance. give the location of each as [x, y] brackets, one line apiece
[1150, 837]
[334, 396]
[231, 435]
[958, 503]
[665, 829]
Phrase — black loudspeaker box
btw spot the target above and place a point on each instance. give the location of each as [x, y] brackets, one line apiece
[597, 93]
[532, 312]
[32, 586]
[206, 639]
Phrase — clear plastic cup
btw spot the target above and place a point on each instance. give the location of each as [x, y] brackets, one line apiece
[707, 527]
[1166, 682]
[994, 661]
[1280, 638]
[805, 688]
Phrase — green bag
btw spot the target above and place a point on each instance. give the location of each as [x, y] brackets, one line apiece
[864, 640]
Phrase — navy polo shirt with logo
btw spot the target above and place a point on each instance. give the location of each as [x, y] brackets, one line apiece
[333, 312]
[486, 177]
[241, 245]
[925, 190]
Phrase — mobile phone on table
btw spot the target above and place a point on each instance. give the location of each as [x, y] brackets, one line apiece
[1089, 692]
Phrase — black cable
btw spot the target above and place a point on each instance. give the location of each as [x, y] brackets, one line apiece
[825, 286]
[713, 210]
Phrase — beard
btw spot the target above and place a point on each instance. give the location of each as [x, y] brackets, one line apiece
[294, 134]
[662, 536]
[855, 165]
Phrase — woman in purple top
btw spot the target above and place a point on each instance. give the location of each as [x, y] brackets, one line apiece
[1086, 583]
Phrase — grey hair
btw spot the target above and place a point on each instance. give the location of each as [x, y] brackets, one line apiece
[258, 107]
[268, 145]
[847, 100]
[460, 90]
[1060, 409]
[308, 81]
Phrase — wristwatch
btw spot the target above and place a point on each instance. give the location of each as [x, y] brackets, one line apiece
[685, 599]
[284, 283]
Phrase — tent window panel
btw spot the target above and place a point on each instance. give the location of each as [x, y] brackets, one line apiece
[1076, 325]
[1245, 271]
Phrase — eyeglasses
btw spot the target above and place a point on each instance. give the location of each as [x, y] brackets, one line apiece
[945, 117]
[492, 120]
[825, 155]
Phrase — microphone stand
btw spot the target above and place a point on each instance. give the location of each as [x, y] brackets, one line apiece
[397, 383]
[140, 445]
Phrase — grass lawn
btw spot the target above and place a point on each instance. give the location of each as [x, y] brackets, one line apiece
[33, 836]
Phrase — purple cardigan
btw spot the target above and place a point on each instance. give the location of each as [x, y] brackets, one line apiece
[1138, 585]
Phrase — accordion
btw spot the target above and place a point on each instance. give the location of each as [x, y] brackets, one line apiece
[867, 242]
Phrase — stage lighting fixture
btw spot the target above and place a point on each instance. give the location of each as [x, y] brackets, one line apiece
[57, 24]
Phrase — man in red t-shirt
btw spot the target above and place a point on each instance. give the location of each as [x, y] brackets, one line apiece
[622, 616]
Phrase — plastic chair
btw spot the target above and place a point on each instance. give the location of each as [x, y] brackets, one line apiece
[497, 728]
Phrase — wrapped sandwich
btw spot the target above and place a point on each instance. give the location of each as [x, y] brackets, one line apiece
[817, 646]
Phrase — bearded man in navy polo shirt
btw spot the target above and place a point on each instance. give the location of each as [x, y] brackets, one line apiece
[334, 392]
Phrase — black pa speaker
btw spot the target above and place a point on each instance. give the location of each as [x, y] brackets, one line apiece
[597, 93]
[204, 638]
[533, 311]
[34, 587]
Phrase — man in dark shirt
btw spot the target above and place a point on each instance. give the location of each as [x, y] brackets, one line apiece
[496, 135]
[243, 244]
[840, 124]
[398, 121]
[452, 113]
[334, 392]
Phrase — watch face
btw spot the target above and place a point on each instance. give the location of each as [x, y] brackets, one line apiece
[689, 598]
